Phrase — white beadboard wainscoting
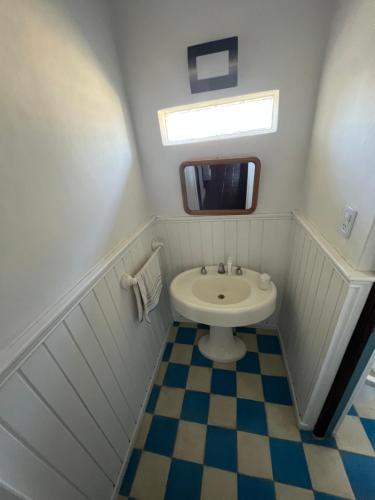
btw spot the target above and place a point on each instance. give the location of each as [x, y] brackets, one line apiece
[323, 299]
[71, 398]
[259, 242]
[73, 387]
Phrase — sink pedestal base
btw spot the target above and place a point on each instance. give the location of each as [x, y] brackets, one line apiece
[221, 345]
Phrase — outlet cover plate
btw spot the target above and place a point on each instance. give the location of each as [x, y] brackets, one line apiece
[347, 222]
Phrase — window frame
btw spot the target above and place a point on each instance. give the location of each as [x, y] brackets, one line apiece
[162, 113]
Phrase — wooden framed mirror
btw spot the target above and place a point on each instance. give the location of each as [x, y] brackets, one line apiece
[226, 186]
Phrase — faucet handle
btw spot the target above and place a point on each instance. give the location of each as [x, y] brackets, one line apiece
[203, 270]
[221, 268]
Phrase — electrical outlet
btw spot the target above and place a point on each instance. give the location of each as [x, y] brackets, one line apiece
[348, 219]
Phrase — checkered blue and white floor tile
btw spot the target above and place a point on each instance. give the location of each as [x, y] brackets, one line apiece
[227, 431]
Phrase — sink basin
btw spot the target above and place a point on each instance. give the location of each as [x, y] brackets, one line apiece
[222, 301]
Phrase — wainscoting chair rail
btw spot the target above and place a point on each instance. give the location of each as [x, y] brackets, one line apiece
[323, 297]
[348, 272]
[85, 382]
[13, 354]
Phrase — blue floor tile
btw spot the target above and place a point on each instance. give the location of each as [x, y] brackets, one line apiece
[249, 363]
[176, 375]
[150, 408]
[195, 407]
[186, 335]
[184, 481]
[251, 416]
[361, 473]
[353, 412]
[162, 435]
[308, 437]
[255, 488]
[369, 426]
[224, 382]
[269, 344]
[167, 351]
[245, 329]
[276, 390]
[131, 470]
[198, 359]
[221, 448]
[289, 463]
[325, 496]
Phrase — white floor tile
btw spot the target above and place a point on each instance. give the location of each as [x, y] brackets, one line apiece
[222, 411]
[170, 402]
[254, 456]
[181, 353]
[218, 484]
[351, 436]
[281, 422]
[249, 386]
[151, 477]
[190, 442]
[327, 471]
[199, 379]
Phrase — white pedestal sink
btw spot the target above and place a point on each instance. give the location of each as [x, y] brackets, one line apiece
[223, 302]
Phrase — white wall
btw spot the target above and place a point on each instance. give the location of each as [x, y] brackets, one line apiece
[281, 46]
[70, 183]
[341, 169]
[70, 406]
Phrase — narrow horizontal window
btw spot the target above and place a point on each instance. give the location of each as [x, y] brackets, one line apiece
[239, 116]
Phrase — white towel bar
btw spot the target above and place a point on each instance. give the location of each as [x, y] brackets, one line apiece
[156, 244]
[127, 280]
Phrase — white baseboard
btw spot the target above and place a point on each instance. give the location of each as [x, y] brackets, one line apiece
[300, 423]
[139, 421]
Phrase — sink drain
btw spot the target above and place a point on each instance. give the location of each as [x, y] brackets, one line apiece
[221, 296]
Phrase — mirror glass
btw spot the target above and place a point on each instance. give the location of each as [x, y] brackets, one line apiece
[216, 187]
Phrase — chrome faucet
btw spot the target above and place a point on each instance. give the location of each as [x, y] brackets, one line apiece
[221, 268]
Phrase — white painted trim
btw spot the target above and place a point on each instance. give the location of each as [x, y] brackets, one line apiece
[139, 421]
[367, 258]
[353, 304]
[162, 114]
[356, 391]
[300, 423]
[163, 219]
[343, 267]
[15, 353]
[8, 493]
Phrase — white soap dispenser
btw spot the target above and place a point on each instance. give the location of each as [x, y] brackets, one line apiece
[264, 281]
[229, 266]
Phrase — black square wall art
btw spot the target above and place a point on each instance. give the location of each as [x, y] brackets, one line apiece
[213, 65]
